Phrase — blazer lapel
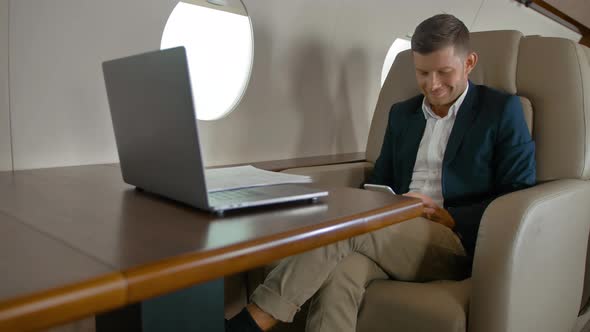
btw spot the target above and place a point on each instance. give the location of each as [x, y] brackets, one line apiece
[465, 117]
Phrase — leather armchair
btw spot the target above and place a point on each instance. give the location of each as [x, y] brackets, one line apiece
[531, 256]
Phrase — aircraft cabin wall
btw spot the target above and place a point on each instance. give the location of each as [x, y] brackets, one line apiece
[314, 84]
[5, 154]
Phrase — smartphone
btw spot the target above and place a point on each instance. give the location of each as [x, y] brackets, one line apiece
[378, 187]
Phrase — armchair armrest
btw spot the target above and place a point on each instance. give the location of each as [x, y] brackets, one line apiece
[528, 270]
[340, 175]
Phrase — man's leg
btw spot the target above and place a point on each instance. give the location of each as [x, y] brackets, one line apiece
[336, 304]
[419, 250]
[415, 250]
[296, 278]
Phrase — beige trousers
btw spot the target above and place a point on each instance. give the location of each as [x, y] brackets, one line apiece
[336, 275]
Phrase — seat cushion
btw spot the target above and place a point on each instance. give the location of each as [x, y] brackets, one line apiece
[415, 307]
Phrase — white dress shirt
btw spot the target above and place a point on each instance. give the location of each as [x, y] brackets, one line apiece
[427, 175]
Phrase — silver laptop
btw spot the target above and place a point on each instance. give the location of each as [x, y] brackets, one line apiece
[157, 139]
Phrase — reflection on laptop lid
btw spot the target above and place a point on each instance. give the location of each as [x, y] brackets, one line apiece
[157, 139]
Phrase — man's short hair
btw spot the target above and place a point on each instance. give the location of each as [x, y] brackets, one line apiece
[438, 32]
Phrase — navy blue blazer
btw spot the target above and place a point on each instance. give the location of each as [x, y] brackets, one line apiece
[490, 153]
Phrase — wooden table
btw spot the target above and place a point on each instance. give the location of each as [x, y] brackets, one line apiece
[77, 241]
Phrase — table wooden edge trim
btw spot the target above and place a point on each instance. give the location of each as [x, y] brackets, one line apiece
[183, 271]
[61, 305]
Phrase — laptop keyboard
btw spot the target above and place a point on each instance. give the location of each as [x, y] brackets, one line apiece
[233, 196]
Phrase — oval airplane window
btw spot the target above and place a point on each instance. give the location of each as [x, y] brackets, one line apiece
[217, 35]
[398, 46]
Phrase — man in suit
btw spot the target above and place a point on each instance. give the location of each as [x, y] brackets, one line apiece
[457, 146]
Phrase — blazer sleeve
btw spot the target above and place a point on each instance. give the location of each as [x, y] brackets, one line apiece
[514, 152]
[383, 169]
[514, 169]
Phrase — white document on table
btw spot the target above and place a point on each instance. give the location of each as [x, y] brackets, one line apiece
[228, 178]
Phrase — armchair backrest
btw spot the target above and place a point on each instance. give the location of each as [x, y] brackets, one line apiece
[554, 73]
[399, 85]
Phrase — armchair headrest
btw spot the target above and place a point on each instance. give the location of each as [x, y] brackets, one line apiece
[498, 55]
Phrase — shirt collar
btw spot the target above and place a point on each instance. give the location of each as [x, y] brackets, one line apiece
[428, 113]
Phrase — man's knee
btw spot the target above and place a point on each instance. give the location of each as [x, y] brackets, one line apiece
[348, 280]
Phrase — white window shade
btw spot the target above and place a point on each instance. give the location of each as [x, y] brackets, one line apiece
[219, 50]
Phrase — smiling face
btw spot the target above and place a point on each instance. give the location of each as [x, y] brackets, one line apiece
[442, 76]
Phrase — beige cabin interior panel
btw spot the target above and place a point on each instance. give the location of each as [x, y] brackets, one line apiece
[315, 80]
[60, 114]
[5, 149]
[316, 77]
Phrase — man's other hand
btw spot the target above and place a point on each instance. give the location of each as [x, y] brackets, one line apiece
[432, 211]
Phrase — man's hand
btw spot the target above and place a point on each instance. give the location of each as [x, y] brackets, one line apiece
[434, 212]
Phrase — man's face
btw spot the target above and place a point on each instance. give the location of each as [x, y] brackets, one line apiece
[442, 75]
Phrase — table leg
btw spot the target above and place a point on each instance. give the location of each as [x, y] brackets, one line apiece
[199, 308]
[123, 319]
